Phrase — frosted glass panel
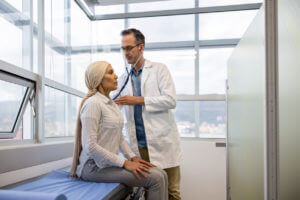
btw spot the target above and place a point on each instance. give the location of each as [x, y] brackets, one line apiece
[289, 98]
[246, 114]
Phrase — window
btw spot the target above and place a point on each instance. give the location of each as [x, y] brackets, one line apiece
[185, 118]
[212, 115]
[81, 30]
[15, 94]
[205, 119]
[161, 5]
[79, 64]
[16, 39]
[17, 4]
[166, 29]
[26, 127]
[208, 3]
[54, 19]
[181, 64]
[116, 8]
[55, 54]
[55, 66]
[11, 42]
[115, 59]
[67, 30]
[109, 9]
[60, 113]
[11, 101]
[108, 32]
[213, 70]
[224, 25]
[62, 35]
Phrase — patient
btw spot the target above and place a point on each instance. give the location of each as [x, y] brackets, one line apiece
[99, 138]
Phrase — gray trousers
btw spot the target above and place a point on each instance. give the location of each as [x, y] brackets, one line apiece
[156, 181]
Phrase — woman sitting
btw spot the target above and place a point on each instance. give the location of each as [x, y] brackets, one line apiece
[99, 138]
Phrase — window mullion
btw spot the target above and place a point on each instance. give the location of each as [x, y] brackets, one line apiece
[40, 88]
[126, 22]
[196, 104]
[67, 64]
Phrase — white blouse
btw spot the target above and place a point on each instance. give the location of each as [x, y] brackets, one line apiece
[101, 133]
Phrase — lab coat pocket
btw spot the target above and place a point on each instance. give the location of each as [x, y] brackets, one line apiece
[160, 125]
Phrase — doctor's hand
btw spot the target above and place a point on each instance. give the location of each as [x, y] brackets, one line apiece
[136, 159]
[136, 168]
[129, 100]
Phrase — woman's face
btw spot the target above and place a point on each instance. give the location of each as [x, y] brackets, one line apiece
[109, 81]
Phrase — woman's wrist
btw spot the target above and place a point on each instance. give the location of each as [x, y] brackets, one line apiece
[133, 158]
[125, 163]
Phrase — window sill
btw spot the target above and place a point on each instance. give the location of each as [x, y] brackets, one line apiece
[31, 143]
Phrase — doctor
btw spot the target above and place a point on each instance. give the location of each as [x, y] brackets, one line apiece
[146, 95]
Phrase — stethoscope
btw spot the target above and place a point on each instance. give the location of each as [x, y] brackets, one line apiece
[128, 74]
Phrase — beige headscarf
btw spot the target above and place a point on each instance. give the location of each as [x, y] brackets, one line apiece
[93, 77]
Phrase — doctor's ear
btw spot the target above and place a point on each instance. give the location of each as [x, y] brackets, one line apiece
[141, 47]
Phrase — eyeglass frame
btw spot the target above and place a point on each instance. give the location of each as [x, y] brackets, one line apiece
[129, 48]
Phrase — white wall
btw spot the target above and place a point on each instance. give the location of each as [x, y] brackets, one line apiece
[203, 172]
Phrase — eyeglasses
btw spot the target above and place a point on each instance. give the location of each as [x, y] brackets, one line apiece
[129, 48]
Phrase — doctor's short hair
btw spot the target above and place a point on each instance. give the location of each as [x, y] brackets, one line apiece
[139, 37]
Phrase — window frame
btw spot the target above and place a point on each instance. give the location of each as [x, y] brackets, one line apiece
[89, 11]
[27, 98]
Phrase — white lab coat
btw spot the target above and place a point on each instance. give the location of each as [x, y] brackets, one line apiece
[158, 90]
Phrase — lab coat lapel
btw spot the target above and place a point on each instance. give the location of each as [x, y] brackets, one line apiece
[129, 85]
[145, 75]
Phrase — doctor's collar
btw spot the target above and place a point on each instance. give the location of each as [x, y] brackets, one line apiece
[140, 69]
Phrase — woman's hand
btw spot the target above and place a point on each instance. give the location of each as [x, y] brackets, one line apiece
[136, 168]
[136, 159]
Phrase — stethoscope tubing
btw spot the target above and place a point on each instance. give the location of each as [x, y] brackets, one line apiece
[124, 85]
[127, 79]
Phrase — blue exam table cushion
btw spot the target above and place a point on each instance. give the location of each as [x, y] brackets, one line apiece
[21, 195]
[58, 182]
